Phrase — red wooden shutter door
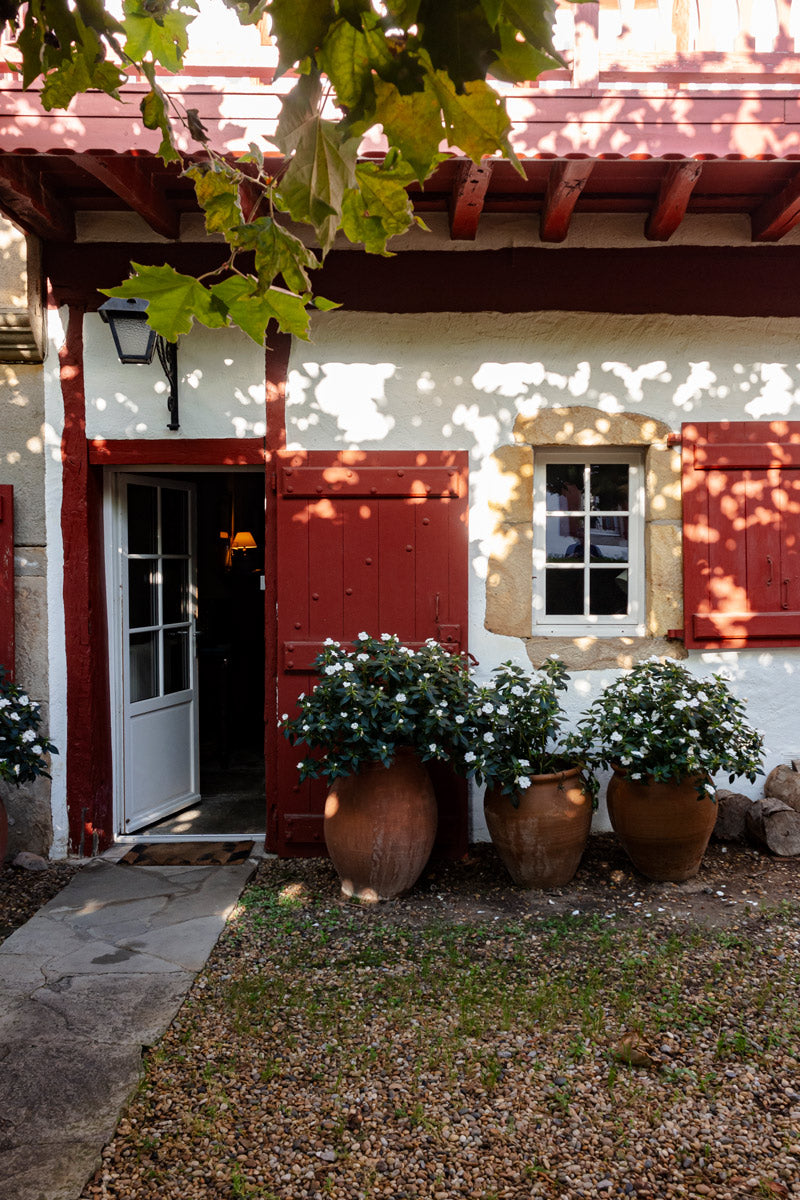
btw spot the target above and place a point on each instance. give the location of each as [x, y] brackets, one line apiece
[374, 542]
[7, 579]
[741, 534]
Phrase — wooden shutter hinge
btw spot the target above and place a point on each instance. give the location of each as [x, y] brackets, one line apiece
[677, 634]
[674, 439]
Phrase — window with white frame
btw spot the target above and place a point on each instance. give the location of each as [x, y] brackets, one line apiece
[588, 538]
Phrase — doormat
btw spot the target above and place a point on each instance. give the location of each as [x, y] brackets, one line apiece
[187, 854]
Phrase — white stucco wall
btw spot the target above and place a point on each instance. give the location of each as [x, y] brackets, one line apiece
[221, 387]
[454, 381]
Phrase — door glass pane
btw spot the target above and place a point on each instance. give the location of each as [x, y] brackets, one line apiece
[174, 521]
[563, 592]
[142, 592]
[143, 666]
[142, 519]
[564, 482]
[176, 590]
[608, 592]
[608, 539]
[564, 539]
[609, 484]
[176, 660]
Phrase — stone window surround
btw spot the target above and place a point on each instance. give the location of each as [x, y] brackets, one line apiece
[509, 587]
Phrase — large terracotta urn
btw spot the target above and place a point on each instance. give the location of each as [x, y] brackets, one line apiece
[663, 827]
[380, 825]
[542, 838]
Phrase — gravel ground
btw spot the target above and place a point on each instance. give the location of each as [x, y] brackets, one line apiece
[22, 892]
[613, 1038]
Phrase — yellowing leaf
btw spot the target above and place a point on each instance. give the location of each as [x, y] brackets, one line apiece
[277, 252]
[318, 175]
[412, 123]
[217, 189]
[476, 121]
[344, 59]
[299, 27]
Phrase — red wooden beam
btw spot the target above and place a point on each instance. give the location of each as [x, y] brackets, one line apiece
[125, 177]
[26, 201]
[673, 199]
[777, 215]
[176, 452]
[565, 183]
[467, 197]
[7, 579]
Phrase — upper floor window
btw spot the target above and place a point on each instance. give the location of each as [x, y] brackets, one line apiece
[588, 561]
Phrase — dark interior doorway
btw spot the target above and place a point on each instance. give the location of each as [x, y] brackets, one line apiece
[230, 659]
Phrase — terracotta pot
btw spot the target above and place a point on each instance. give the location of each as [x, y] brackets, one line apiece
[663, 827]
[380, 826]
[541, 841]
[3, 832]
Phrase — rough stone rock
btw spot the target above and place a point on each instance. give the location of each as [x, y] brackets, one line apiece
[30, 862]
[783, 783]
[732, 809]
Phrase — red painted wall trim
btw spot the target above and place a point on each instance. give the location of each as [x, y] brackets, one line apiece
[177, 452]
[89, 788]
[277, 368]
[7, 647]
[667, 279]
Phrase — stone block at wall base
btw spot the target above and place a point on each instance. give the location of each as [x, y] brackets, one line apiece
[30, 825]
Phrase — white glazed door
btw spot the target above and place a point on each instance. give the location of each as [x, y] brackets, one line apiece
[160, 767]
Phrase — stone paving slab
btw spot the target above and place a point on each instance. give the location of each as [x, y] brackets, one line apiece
[97, 974]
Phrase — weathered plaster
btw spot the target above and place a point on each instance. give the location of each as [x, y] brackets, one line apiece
[221, 388]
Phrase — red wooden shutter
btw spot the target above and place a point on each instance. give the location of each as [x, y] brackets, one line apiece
[373, 541]
[7, 578]
[741, 534]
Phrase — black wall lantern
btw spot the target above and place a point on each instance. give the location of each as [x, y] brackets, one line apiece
[136, 342]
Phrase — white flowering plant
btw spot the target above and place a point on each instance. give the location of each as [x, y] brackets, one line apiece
[23, 748]
[517, 727]
[659, 722]
[378, 695]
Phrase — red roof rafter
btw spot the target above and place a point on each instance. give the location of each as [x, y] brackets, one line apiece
[777, 215]
[565, 183]
[673, 199]
[124, 177]
[27, 201]
[467, 197]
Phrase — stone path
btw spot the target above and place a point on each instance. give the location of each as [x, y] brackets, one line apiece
[96, 975]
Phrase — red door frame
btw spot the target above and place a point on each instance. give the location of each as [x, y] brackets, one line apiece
[88, 750]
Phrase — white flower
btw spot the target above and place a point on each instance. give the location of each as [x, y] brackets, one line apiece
[285, 717]
[469, 757]
[29, 736]
[616, 737]
[37, 749]
[693, 703]
[400, 697]
[637, 720]
[488, 737]
[348, 666]
[522, 781]
[333, 668]
[434, 749]
[680, 705]
[362, 637]
[4, 703]
[362, 657]
[354, 724]
[488, 708]
[702, 696]
[24, 700]
[502, 710]
[517, 690]
[460, 720]
[386, 637]
[695, 733]
[523, 762]
[330, 642]
[12, 716]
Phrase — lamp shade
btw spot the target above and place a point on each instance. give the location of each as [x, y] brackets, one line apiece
[243, 541]
[134, 339]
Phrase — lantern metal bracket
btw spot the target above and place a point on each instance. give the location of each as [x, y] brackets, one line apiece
[168, 357]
